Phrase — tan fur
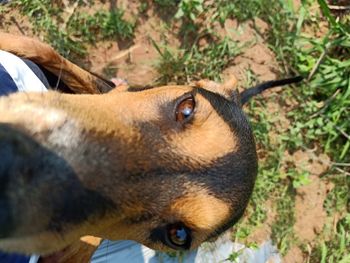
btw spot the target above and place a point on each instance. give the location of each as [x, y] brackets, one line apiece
[202, 211]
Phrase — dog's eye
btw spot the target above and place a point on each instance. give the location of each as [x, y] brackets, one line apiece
[185, 109]
[178, 236]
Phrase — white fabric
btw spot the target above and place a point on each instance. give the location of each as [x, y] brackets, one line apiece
[21, 74]
[220, 251]
[34, 259]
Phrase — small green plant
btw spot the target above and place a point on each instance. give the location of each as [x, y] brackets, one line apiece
[166, 3]
[190, 9]
[143, 7]
[338, 198]
[299, 178]
[101, 25]
[2, 10]
[234, 257]
[282, 229]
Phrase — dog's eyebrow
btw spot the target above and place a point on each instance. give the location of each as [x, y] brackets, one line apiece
[228, 110]
[136, 89]
[146, 216]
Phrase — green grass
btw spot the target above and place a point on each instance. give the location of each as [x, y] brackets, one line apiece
[101, 25]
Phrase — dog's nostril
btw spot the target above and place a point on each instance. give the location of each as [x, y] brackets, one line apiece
[12, 149]
[6, 155]
[6, 159]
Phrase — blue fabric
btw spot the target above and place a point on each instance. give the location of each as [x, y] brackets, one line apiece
[13, 258]
[7, 85]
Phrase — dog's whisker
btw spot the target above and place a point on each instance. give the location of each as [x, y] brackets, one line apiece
[59, 75]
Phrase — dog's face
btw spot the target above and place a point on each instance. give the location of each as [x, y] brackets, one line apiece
[169, 167]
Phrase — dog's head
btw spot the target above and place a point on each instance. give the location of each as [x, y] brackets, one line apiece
[169, 167]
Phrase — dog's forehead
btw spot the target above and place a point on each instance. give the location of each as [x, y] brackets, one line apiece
[213, 132]
[218, 127]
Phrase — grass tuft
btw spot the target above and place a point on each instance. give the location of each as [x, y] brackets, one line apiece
[184, 66]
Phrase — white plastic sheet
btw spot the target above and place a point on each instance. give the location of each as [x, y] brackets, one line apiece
[220, 251]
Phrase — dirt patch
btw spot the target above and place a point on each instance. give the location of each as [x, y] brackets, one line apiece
[263, 232]
[277, 115]
[12, 22]
[294, 255]
[256, 56]
[309, 213]
[135, 61]
[309, 161]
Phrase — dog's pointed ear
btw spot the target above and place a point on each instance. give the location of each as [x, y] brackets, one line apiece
[253, 91]
[227, 89]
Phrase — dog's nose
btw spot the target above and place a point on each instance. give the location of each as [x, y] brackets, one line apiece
[22, 170]
[6, 223]
[8, 145]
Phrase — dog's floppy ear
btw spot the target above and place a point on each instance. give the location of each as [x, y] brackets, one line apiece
[251, 92]
[77, 79]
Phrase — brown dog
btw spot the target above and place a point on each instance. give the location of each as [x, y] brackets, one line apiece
[169, 167]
